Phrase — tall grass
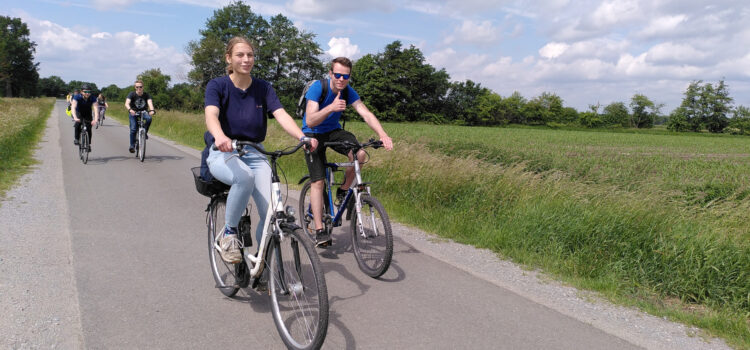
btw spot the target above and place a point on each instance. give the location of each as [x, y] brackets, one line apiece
[22, 121]
[653, 220]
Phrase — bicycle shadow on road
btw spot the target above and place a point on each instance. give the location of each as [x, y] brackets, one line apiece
[342, 244]
[149, 159]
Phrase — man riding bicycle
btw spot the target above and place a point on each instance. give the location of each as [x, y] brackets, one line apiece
[102, 105]
[137, 102]
[81, 110]
[321, 121]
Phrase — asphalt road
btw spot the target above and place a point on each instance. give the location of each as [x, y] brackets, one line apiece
[113, 254]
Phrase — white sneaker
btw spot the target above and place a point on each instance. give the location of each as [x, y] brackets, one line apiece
[230, 249]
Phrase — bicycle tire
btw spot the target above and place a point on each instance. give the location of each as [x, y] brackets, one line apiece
[305, 212]
[373, 246]
[225, 275]
[142, 144]
[298, 292]
[80, 147]
[84, 146]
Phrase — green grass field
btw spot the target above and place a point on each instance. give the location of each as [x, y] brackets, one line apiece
[22, 122]
[651, 219]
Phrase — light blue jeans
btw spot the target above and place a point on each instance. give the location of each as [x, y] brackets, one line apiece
[249, 175]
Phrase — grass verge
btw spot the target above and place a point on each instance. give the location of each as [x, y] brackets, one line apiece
[22, 122]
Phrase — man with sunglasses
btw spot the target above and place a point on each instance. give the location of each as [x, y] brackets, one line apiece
[137, 102]
[82, 111]
[321, 121]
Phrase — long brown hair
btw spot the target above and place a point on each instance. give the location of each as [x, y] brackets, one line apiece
[230, 46]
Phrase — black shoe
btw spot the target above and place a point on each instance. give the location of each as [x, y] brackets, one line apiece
[340, 194]
[146, 136]
[131, 150]
[88, 149]
[322, 238]
[75, 142]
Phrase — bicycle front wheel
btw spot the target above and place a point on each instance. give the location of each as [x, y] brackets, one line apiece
[299, 297]
[227, 276]
[84, 147]
[372, 237]
[142, 144]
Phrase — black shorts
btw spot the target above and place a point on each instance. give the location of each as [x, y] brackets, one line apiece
[316, 160]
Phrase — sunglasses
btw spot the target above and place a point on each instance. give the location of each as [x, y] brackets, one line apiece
[339, 76]
[139, 87]
[86, 91]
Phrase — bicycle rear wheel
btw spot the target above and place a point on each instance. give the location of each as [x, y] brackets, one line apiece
[299, 297]
[84, 147]
[305, 211]
[227, 276]
[141, 144]
[372, 238]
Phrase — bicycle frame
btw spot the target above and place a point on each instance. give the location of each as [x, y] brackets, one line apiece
[353, 192]
[275, 212]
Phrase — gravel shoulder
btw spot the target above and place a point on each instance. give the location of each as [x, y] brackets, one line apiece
[38, 298]
[40, 304]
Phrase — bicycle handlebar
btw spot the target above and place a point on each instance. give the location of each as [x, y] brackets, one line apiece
[279, 153]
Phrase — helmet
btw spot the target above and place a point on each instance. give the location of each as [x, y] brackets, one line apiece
[85, 87]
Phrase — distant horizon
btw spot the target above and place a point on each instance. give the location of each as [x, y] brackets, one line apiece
[586, 52]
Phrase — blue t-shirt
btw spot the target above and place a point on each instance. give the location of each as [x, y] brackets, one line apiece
[332, 121]
[83, 106]
[241, 111]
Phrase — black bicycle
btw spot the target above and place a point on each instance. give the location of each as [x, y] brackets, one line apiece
[140, 136]
[295, 280]
[372, 237]
[84, 144]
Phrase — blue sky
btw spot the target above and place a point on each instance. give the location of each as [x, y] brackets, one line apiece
[585, 51]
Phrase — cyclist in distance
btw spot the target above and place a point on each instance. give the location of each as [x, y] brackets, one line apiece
[82, 111]
[321, 121]
[136, 102]
[236, 106]
[101, 104]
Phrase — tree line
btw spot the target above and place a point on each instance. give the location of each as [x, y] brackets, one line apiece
[397, 84]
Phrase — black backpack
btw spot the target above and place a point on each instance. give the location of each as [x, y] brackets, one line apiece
[302, 104]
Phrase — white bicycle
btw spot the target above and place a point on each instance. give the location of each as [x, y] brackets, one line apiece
[295, 280]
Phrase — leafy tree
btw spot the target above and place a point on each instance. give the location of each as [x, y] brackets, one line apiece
[18, 72]
[615, 114]
[398, 85]
[568, 115]
[740, 122]
[644, 111]
[52, 86]
[76, 85]
[489, 110]
[462, 102]
[543, 109]
[591, 118]
[705, 106]
[717, 106]
[156, 84]
[207, 53]
[513, 107]
[114, 93]
[186, 97]
[678, 120]
[291, 59]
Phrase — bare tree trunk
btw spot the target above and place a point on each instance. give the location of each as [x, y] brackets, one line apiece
[8, 90]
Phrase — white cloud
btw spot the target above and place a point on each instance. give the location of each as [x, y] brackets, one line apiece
[553, 50]
[615, 11]
[481, 33]
[675, 53]
[101, 57]
[112, 4]
[661, 26]
[331, 9]
[342, 47]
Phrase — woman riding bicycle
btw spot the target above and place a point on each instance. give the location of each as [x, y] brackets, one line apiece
[235, 109]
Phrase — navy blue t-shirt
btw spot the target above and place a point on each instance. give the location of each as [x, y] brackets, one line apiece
[332, 121]
[83, 107]
[241, 111]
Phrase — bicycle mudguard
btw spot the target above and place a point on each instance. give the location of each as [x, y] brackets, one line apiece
[303, 179]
